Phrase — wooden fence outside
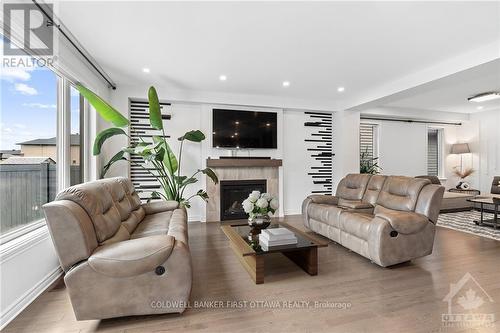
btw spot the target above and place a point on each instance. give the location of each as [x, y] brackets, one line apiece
[24, 189]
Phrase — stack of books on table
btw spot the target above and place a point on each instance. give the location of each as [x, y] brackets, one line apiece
[276, 237]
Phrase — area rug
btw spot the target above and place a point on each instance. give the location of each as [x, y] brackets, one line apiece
[464, 221]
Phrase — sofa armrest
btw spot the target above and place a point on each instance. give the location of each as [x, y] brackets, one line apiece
[132, 257]
[159, 206]
[404, 222]
[324, 199]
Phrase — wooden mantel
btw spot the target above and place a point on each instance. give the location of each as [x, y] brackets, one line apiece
[242, 162]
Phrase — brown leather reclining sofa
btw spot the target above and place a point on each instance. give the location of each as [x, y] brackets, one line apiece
[120, 257]
[387, 219]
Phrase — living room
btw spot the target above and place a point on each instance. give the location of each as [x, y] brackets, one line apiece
[249, 166]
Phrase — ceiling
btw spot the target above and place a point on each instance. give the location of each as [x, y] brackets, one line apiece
[450, 94]
[317, 47]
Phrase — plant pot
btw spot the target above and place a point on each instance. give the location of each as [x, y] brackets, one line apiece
[258, 223]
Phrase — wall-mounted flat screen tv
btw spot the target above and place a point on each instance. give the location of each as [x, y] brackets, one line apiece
[244, 129]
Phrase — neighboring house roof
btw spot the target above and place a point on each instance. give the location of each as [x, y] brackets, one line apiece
[75, 141]
[27, 160]
[11, 152]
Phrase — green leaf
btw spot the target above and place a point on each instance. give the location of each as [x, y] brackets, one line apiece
[179, 179]
[169, 160]
[106, 111]
[202, 194]
[130, 150]
[210, 173]
[160, 155]
[103, 136]
[191, 180]
[117, 157]
[154, 109]
[195, 136]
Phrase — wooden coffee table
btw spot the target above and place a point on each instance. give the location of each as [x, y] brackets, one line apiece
[304, 253]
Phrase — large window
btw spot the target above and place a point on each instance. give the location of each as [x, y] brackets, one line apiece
[36, 161]
[28, 145]
[434, 151]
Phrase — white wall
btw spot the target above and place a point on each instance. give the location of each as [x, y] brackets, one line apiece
[187, 115]
[346, 145]
[402, 148]
[488, 147]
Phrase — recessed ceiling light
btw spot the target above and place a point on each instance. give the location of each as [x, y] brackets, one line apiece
[146, 70]
[340, 89]
[479, 108]
[222, 77]
[286, 83]
[484, 97]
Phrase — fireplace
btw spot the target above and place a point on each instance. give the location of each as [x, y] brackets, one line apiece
[232, 194]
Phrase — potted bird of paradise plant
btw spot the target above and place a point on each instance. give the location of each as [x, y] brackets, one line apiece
[162, 162]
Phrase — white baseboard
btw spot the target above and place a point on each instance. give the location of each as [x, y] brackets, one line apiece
[293, 212]
[194, 218]
[26, 299]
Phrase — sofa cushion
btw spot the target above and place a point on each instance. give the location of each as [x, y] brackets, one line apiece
[373, 189]
[454, 201]
[353, 186]
[121, 235]
[434, 179]
[401, 193]
[495, 185]
[327, 214]
[132, 257]
[119, 196]
[130, 192]
[97, 201]
[356, 224]
[155, 224]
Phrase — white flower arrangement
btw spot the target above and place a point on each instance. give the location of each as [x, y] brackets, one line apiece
[260, 204]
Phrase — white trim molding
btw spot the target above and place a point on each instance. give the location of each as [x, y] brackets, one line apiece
[28, 297]
[22, 243]
[18, 260]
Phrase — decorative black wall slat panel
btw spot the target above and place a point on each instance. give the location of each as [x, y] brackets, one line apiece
[320, 146]
[140, 127]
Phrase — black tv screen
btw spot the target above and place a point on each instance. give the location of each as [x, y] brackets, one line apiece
[244, 129]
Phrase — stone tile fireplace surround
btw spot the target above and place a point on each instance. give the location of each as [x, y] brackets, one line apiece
[241, 169]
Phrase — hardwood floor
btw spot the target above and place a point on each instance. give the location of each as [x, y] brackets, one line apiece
[406, 298]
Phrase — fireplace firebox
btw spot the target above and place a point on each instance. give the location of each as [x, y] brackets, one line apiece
[232, 194]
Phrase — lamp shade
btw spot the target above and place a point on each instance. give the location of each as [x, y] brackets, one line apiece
[460, 148]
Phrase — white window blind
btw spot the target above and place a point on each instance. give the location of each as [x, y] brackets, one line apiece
[367, 133]
[433, 151]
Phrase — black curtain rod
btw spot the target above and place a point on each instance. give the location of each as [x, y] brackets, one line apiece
[412, 121]
[82, 53]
